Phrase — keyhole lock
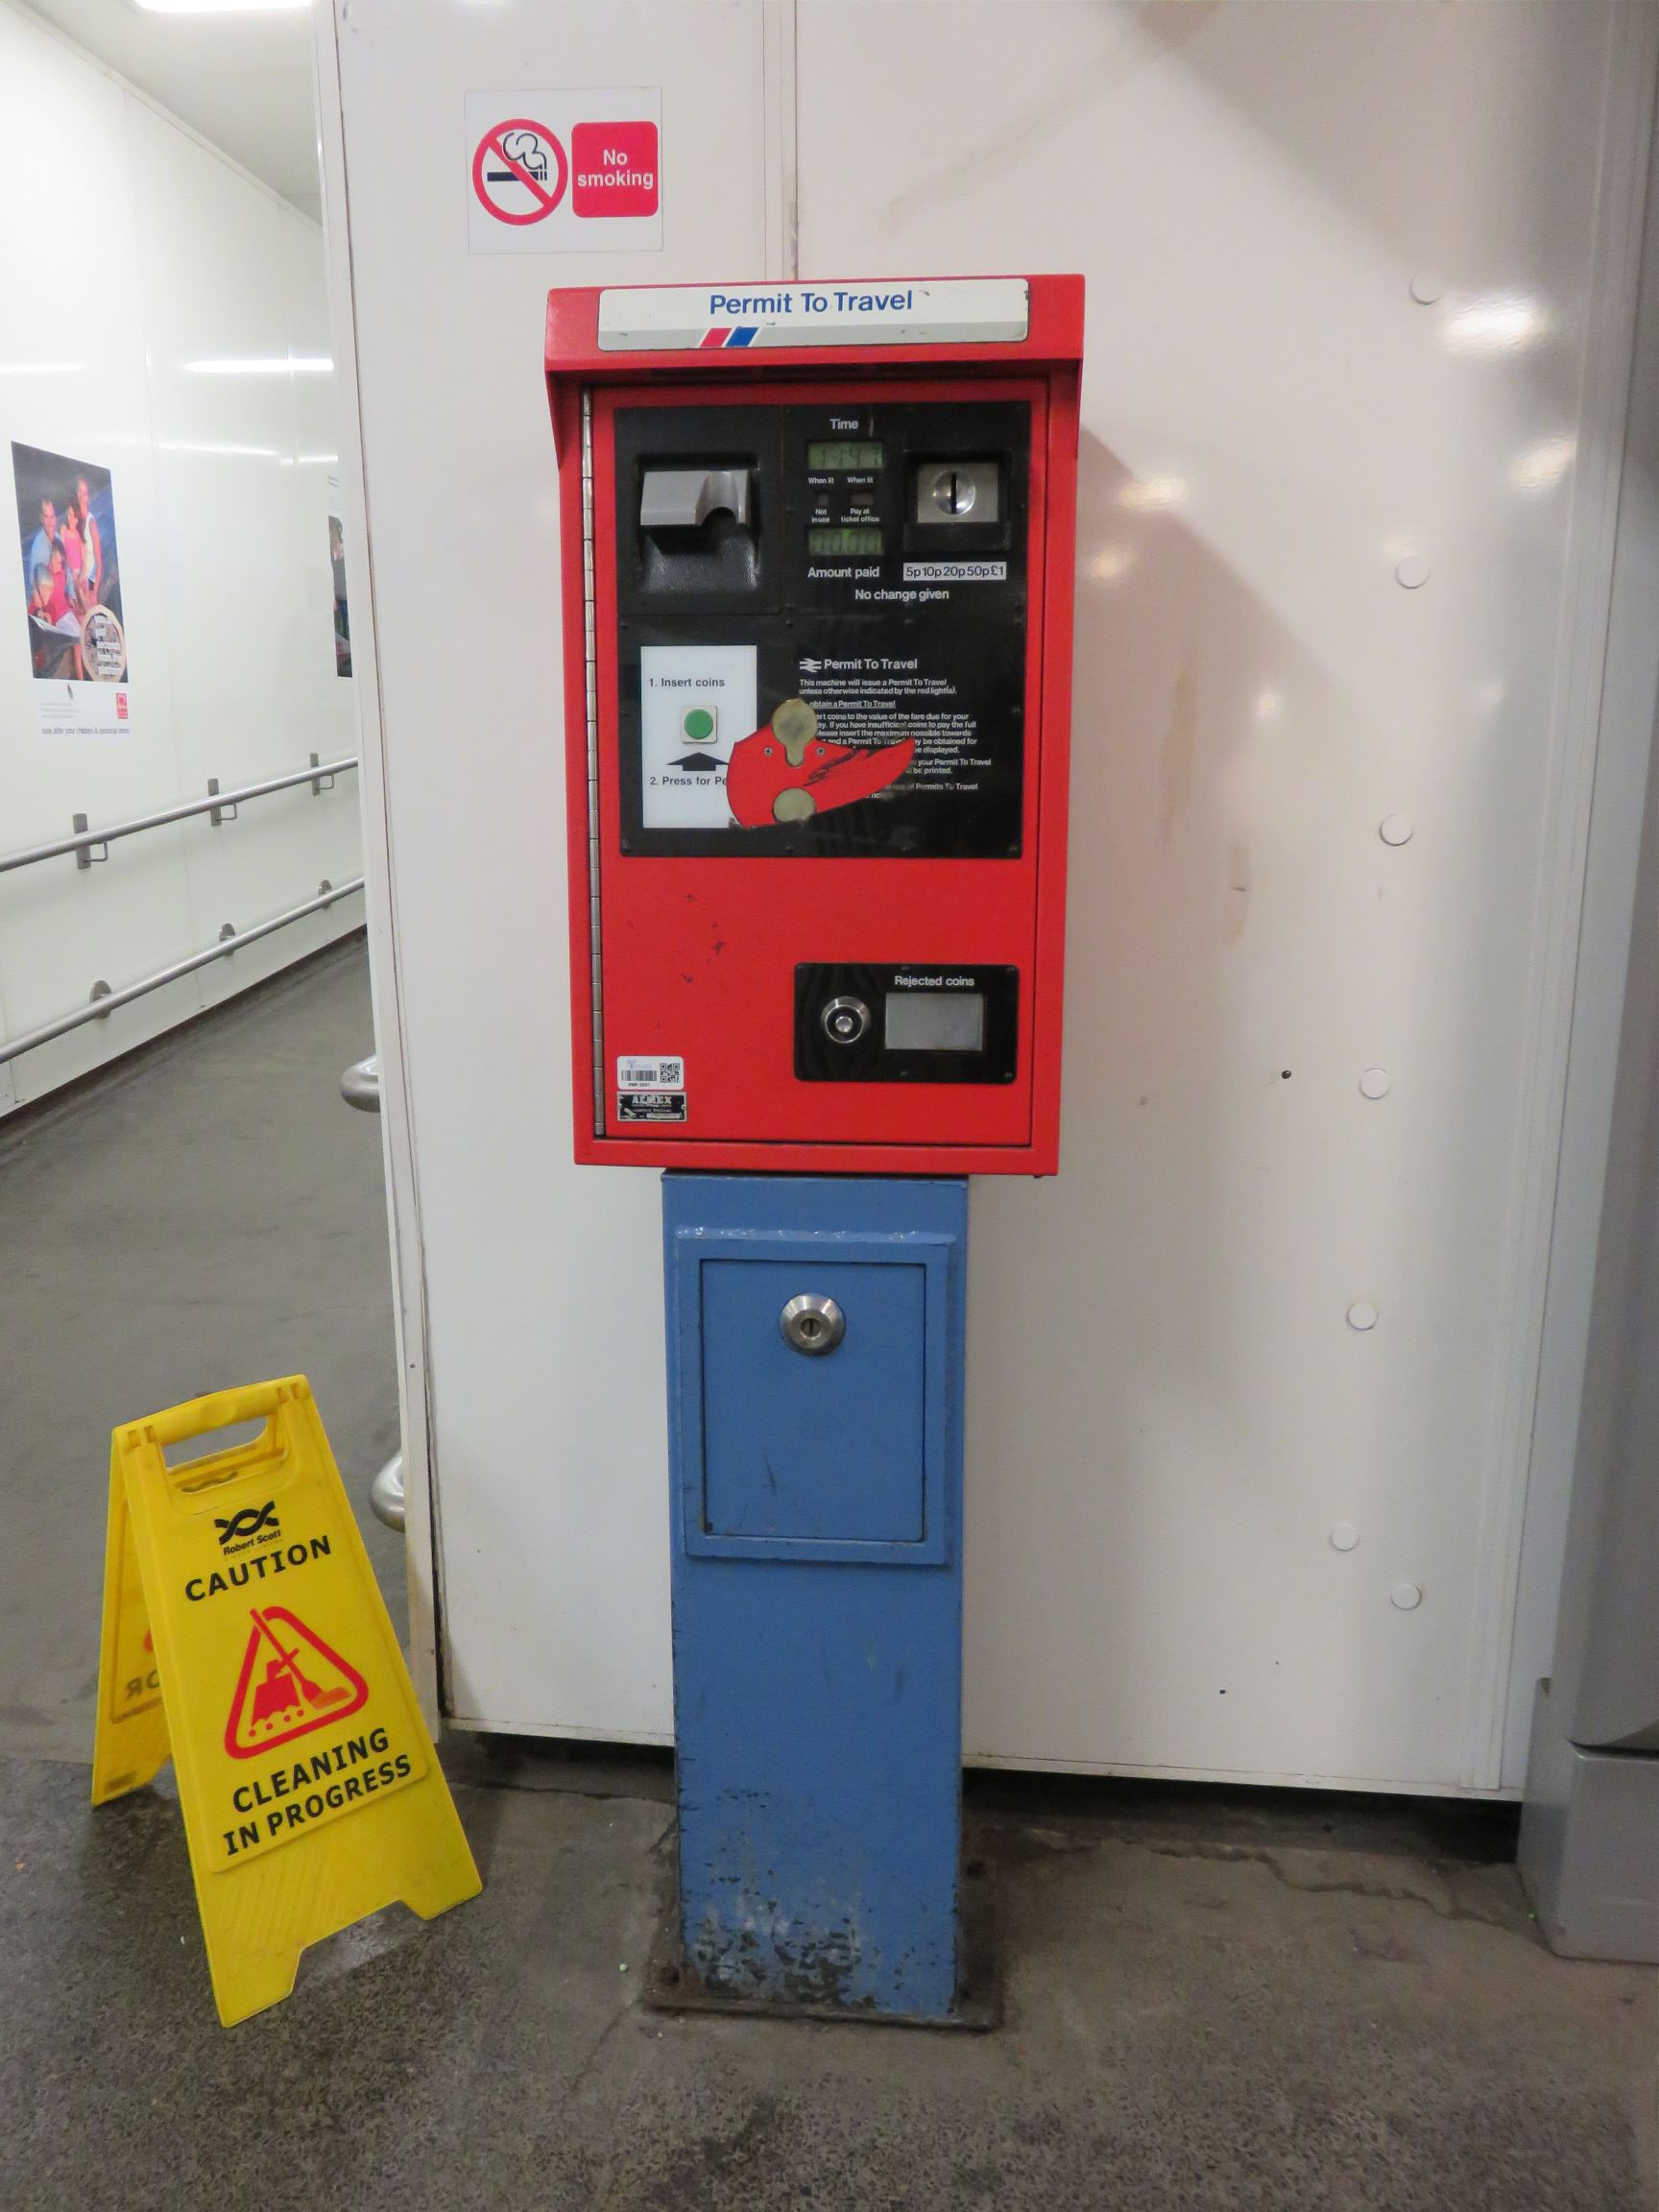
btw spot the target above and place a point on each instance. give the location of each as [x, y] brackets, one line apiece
[812, 1324]
[954, 491]
[845, 1021]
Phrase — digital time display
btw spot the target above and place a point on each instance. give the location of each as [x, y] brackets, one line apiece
[843, 454]
[843, 537]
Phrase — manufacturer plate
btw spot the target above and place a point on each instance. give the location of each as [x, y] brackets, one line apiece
[650, 1105]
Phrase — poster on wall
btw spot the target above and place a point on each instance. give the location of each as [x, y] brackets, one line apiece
[71, 593]
[342, 613]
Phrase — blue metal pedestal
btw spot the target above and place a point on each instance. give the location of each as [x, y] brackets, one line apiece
[817, 1572]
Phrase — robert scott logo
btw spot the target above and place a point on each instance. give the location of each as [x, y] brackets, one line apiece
[253, 1525]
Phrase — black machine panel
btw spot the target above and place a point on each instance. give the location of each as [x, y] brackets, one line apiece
[866, 557]
[858, 1022]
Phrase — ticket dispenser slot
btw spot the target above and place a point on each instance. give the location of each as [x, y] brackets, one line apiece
[686, 499]
[696, 494]
[699, 529]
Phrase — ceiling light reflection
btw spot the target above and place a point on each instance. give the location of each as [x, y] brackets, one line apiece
[222, 453]
[1495, 322]
[263, 365]
[1110, 562]
[1152, 495]
[220, 6]
[1541, 467]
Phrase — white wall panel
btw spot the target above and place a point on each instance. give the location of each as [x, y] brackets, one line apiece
[542, 1281]
[73, 381]
[222, 551]
[1168, 1411]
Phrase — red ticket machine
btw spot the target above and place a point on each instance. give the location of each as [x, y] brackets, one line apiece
[818, 572]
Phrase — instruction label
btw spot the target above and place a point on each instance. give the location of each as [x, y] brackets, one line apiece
[874, 699]
[696, 702]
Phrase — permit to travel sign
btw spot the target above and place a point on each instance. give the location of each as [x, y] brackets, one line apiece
[245, 1637]
[847, 311]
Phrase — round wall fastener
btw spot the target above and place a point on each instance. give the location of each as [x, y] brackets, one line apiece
[1412, 573]
[1344, 1536]
[1427, 287]
[811, 1323]
[1362, 1314]
[1406, 1595]
[1395, 828]
[1375, 1083]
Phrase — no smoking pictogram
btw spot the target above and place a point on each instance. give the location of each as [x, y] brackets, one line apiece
[519, 171]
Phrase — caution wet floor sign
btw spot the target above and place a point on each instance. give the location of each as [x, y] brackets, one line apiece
[243, 1633]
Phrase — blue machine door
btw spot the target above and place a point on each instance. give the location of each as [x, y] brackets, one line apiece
[817, 1446]
[817, 1586]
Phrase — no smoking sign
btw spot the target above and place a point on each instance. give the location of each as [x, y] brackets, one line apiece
[564, 172]
[520, 172]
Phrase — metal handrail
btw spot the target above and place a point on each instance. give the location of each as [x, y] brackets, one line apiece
[105, 1003]
[84, 840]
[386, 1499]
[360, 1085]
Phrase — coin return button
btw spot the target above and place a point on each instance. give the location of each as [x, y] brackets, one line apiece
[845, 1021]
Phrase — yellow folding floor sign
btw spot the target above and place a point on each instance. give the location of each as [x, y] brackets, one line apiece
[244, 1632]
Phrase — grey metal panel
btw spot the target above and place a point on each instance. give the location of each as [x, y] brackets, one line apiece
[1590, 1844]
[1606, 1667]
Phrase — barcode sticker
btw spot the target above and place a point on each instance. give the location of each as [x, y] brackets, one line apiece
[642, 1074]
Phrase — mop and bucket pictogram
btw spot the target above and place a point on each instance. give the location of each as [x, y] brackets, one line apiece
[303, 1684]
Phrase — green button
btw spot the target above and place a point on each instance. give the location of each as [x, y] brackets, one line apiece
[699, 724]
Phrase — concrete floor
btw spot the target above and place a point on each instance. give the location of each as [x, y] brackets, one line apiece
[1213, 1999]
[209, 1211]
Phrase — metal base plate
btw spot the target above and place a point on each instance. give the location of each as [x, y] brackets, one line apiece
[672, 1985]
